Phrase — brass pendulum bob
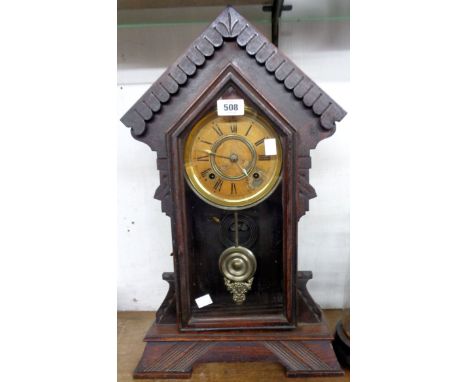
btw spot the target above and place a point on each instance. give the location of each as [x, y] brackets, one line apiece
[238, 265]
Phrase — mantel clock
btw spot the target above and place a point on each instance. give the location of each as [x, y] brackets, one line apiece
[233, 121]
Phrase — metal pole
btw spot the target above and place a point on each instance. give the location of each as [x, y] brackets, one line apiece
[275, 15]
[236, 223]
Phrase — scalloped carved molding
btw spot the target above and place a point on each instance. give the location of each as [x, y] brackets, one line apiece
[230, 25]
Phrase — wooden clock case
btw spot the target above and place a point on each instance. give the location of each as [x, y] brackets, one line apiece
[280, 321]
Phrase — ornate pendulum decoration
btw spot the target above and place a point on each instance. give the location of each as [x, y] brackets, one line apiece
[238, 289]
[238, 265]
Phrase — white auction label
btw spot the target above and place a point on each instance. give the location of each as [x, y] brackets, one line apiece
[230, 107]
[270, 146]
[203, 301]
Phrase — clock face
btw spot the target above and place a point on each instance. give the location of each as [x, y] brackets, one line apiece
[233, 162]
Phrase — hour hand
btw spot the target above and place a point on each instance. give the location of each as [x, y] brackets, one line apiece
[244, 171]
[216, 155]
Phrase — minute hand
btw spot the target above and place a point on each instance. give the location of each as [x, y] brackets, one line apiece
[244, 171]
[216, 155]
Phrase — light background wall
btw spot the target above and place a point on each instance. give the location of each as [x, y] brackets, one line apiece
[321, 49]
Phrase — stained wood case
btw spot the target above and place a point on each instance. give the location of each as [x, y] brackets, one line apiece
[231, 58]
[210, 230]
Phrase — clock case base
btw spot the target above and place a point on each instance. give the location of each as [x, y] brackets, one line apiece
[305, 351]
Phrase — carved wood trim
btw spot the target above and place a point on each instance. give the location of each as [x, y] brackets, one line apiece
[163, 192]
[305, 190]
[295, 356]
[304, 296]
[180, 357]
[231, 25]
[168, 305]
[175, 359]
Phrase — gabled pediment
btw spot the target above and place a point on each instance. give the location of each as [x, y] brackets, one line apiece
[231, 46]
[230, 26]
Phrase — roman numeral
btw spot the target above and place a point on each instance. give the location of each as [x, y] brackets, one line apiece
[259, 142]
[218, 130]
[218, 184]
[233, 189]
[208, 143]
[205, 172]
[264, 157]
[234, 128]
[248, 130]
[203, 158]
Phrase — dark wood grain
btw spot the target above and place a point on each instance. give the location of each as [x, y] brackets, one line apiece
[133, 325]
[314, 121]
[192, 246]
[304, 351]
[227, 26]
[279, 321]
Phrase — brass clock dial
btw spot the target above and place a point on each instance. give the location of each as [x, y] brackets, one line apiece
[226, 162]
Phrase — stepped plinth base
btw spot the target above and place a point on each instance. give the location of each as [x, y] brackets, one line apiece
[305, 351]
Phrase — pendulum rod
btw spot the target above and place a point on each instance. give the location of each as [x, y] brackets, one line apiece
[236, 232]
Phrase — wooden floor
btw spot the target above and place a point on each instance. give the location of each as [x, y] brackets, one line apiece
[132, 326]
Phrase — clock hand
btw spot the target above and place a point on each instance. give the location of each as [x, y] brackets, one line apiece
[242, 169]
[216, 155]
